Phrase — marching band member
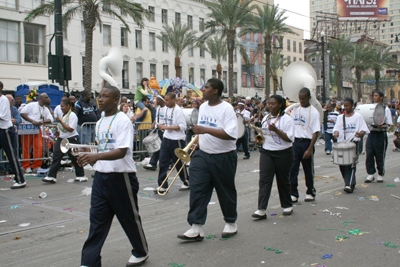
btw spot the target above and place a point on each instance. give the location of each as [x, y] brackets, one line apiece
[276, 155]
[67, 125]
[377, 143]
[174, 137]
[115, 186]
[307, 125]
[160, 120]
[349, 127]
[214, 164]
[244, 140]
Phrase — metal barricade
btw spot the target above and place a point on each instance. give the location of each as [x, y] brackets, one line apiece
[87, 133]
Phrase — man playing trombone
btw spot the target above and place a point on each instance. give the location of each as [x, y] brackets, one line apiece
[214, 164]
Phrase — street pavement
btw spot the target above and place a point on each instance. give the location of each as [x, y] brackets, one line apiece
[59, 223]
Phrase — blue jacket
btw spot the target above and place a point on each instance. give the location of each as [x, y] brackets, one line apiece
[15, 115]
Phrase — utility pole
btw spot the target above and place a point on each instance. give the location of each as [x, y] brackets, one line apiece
[323, 69]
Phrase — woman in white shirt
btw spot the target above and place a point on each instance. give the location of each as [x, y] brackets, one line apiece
[67, 126]
[350, 127]
[276, 157]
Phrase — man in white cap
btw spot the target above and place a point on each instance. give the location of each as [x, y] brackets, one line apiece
[248, 106]
[244, 140]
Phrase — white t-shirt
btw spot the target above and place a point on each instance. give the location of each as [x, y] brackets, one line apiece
[72, 122]
[306, 121]
[160, 115]
[398, 119]
[221, 116]
[37, 113]
[120, 136]
[58, 112]
[178, 119]
[272, 140]
[246, 115]
[354, 124]
[5, 113]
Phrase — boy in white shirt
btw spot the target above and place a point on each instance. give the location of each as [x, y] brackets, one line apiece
[115, 186]
[352, 130]
[244, 140]
[214, 164]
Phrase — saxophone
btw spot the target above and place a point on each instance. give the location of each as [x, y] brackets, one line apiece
[260, 137]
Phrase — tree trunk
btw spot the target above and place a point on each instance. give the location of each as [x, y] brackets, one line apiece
[339, 78]
[377, 77]
[275, 79]
[219, 71]
[359, 92]
[267, 52]
[231, 46]
[177, 67]
[87, 77]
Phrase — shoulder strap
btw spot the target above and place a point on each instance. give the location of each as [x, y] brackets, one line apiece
[344, 127]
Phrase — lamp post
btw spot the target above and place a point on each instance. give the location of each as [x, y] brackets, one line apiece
[323, 68]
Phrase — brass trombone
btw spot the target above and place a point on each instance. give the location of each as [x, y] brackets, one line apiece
[77, 150]
[182, 155]
[260, 137]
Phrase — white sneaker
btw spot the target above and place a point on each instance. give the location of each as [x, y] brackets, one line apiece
[288, 211]
[48, 179]
[81, 179]
[259, 214]
[28, 170]
[18, 185]
[309, 198]
[162, 189]
[195, 233]
[133, 261]
[230, 230]
[379, 179]
[294, 199]
[184, 187]
[369, 178]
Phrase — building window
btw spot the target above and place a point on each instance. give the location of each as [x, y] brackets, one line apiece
[201, 25]
[294, 59]
[190, 51]
[152, 39]
[106, 7]
[190, 22]
[34, 40]
[123, 12]
[288, 45]
[164, 46]
[83, 69]
[164, 16]
[152, 13]
[225, 78]
[294, 46]
[201, 52]
[138, 39]
[31, 4]
[260, 61]
[9, 41]
[202, 74]
[288, 60]
[107, 34]
[244, 80]
[235, 87]
[165, 72]
[300, 47]
[191, 75]
[253, 84]
[214, 74]
[177, 18]
[153, 70]
[252, 57]
[9, 3]
[260, 81]
[125, 75]
[124, 37]
[83, 32]
[139, 72]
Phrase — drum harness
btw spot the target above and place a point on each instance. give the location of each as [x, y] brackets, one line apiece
[344, 136]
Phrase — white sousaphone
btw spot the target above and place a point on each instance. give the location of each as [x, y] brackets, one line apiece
[298, 75]
[112, 63]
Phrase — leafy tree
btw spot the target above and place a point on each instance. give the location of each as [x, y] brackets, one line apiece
[217, 48]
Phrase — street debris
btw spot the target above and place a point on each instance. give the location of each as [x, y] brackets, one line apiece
[332, 213]
[148, 189]
[373, 198]
[394, 196]
[397, 180]
[356, 232]
[17, 237]
[388, 185]
[3, 221]
[211, 236]
[345, 223]
[327, 256]
[70, 181]
[176, 264]
[273, 214]
[43, 195]
[68, 209]
[24, 224]
[338, 193]
[340, 238]
[14, 207]
[87, 191]
[275, 250]
[60, 226]
[5, 189]
[342, 208]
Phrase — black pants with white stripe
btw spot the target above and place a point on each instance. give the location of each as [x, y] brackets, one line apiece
[209, 171]
[349, 171]
[113, 194]
[8, 142]
[167, 152]
[377, 143]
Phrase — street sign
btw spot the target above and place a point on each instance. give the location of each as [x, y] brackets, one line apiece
[25, 129]
[370, 81]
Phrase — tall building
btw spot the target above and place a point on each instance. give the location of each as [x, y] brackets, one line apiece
[24, 46]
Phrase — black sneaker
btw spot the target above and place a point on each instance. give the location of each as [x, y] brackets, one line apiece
[246, 157]
[150, 167]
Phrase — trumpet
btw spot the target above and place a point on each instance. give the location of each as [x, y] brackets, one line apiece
[77, 150]
[182, 155]
[260, 137]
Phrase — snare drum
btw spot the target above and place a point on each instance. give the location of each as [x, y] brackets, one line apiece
[373, 114]
[191, 116]
[344, 153]
[152, 142]
[241, 125]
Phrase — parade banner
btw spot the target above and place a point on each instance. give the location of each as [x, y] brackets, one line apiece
[363, 9]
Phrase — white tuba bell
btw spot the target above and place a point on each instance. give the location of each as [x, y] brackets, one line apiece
[112, 63]
[298, 75]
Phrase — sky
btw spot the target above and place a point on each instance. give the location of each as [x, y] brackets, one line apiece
[297, 6]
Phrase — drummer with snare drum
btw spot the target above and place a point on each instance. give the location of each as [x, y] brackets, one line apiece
[349, 127]
[377, 143]
[244, 140]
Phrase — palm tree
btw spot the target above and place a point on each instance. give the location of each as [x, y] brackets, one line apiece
[178, 38]
[269, 22]
[340, 50]
[217, 48]
[277, 62]
[91, 12]
[380, 61]
[226, 17]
